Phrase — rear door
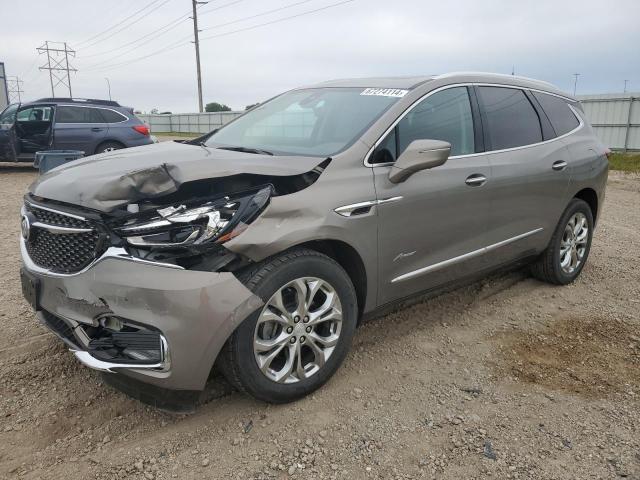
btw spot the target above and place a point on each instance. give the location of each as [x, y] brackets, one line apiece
[528, 169]
[79, 128]
[433, 225]
[9, 148]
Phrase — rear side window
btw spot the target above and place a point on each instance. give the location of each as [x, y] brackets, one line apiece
[110, 116]
[560, 115]
[511, 119]
[78, 115]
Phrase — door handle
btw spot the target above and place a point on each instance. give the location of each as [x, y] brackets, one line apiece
[476, 180]
[559, 165]
[96, 129]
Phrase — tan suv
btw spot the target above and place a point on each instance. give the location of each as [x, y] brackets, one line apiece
[261, 246]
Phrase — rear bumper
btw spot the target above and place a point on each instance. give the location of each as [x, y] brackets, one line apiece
[195, 312]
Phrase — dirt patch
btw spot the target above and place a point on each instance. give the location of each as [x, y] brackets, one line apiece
[594, 357]
[418, 396]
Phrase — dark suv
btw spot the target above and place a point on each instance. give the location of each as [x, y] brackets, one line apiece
[93, 126]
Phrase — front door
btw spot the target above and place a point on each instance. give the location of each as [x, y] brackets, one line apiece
[432, 227]
[9, 147]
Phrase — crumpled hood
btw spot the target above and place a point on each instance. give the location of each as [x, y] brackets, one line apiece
[107, 181]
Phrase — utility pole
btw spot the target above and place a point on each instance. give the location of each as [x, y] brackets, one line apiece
[194, 4]
[108, 86]
[14, 89]
[625, 86]
[575, 83]
[58, 64]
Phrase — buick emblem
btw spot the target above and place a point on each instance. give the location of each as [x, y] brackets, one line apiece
[25, 227]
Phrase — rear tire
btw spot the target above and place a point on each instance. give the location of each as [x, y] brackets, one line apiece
[568, 250]
[105, 147]
[284, 350]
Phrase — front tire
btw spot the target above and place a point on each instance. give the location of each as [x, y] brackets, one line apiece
[568, 250]
[294, 343]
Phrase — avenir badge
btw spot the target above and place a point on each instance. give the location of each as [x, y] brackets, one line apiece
[385, 92]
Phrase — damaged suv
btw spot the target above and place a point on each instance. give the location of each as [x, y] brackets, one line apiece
[259, 247]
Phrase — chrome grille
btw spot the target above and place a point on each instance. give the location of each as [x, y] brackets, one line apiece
[59, 251]
[55, 218]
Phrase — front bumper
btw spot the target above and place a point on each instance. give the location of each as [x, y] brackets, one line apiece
[194, 311]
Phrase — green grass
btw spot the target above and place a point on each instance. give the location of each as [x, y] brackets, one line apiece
[626, 162]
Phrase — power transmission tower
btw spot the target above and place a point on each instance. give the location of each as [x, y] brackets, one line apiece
[194, 4]
[14, 89]
[58, 64]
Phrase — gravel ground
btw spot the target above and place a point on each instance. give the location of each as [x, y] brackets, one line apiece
[506, 378]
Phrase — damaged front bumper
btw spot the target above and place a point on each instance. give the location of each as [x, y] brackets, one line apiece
[190, 314]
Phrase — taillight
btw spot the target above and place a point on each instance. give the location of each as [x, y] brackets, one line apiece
[608, 153]
[142, 129]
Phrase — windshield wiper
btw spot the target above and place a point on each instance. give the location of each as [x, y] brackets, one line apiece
[247, 150]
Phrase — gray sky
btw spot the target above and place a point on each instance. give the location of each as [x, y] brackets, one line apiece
[548, 40]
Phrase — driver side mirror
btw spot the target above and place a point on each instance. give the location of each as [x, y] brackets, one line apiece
[419, 155]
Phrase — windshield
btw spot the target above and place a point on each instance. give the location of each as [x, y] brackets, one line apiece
[316, 122]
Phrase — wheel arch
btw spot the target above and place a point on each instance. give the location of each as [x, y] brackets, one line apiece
[349, 259]
[108, 140]
[590, 196]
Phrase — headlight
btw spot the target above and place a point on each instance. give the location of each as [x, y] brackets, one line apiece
[182, 225]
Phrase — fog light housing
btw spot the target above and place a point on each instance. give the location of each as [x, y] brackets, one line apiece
[117, 341]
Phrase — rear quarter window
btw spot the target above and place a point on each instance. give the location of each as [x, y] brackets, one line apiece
[112, 117]
[562, 119]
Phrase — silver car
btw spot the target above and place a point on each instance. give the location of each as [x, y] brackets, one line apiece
[259, 248]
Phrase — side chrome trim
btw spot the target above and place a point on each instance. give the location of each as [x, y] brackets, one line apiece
[471, 84]
[116, 253]
[59, 229]
[460, 258]
[347, 210]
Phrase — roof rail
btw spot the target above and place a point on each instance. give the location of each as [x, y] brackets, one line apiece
[94, 101]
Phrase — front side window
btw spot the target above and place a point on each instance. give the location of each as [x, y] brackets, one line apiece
[511, 119]
[78, 115]
[315, 121]
[445, 115]
[562, 119]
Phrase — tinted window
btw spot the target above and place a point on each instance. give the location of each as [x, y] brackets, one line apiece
[78, 115]
[110, 116]
[445, 115]
[560, 115]
[386, 150]
[511, 119]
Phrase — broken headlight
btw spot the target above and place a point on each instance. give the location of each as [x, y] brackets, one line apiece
[185, 226]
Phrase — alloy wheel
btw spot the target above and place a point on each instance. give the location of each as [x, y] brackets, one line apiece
[297, 330]
[573, 245]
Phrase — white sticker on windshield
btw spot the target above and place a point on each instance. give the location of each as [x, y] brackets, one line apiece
[385, 92]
